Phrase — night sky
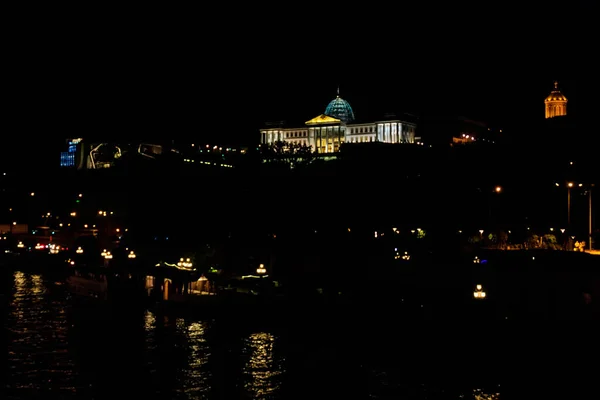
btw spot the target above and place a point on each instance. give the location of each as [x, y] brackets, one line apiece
[220, 82]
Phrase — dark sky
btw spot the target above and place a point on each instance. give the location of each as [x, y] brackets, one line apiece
[219, 76]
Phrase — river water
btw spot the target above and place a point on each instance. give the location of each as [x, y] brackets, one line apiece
[60, 347]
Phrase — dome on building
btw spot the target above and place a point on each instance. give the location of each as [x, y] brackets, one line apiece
[340, 109]
[556, 95]
[556, 103]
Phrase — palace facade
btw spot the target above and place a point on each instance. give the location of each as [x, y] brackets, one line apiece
[337, 125]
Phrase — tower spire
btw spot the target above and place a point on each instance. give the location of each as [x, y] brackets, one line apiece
[555, 84]
[338, 90]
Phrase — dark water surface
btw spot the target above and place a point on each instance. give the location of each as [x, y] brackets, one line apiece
[61, 347]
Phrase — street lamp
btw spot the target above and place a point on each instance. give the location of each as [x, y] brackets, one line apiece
[479, 293]
[261, 270]
[569, 186]
[590, 215]
[590, 187]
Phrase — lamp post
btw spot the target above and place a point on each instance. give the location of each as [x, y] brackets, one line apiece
[261, 270]
[589, 188]
[569, 186]
[491, 202]
[590, 216]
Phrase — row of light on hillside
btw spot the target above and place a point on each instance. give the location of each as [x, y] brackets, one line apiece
[215, 147]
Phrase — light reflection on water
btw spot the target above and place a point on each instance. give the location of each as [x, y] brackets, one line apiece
[263, 370]
[38, 346]
[480, 394]
[61, 349]
[190, 351]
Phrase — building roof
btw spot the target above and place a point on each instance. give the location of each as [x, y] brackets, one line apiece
[556, 95]
[323, 119]
[340, 109]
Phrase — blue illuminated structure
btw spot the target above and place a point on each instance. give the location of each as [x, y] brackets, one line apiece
[340, 109]
[70, 157]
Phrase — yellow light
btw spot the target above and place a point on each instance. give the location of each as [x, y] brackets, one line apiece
[498, 189]
[570, 184]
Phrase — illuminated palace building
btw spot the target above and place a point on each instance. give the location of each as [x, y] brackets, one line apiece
[337, 125]
[556, 103]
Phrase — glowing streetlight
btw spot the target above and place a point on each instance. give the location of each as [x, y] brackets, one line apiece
[261, 270]
[54, 249]
[479, 293]
[79, 250]
[131, 254]
[498, 189]
[185, 264]
[108, 256]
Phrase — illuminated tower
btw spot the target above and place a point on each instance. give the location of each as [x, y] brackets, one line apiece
[556, 103]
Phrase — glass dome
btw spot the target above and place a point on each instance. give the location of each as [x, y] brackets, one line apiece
[340, 109]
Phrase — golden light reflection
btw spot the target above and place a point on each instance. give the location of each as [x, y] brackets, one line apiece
[149, 321]
[195, 376]
[39, 341]
[28, 286]
[37, 286]
[479, 394]
[263, 370]
[188, 346]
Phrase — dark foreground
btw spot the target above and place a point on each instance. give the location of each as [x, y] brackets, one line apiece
[64, 346]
